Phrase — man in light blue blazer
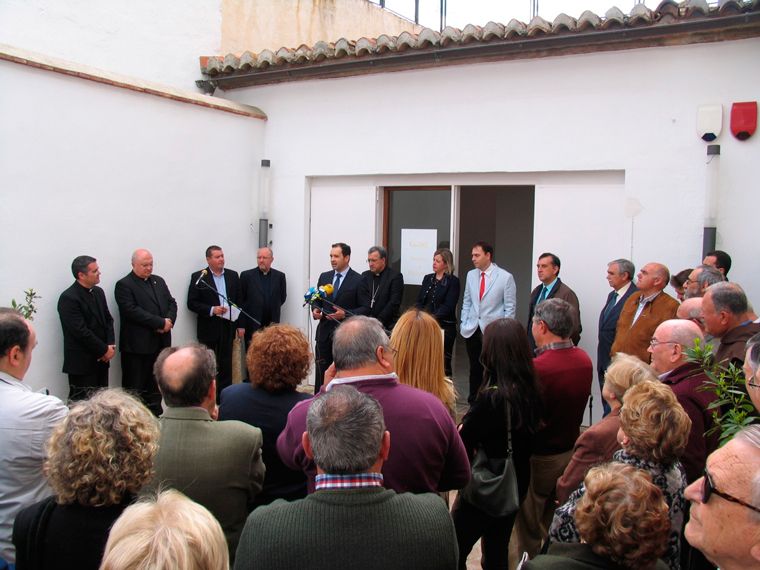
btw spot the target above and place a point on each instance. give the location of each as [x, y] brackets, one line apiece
[490, 293]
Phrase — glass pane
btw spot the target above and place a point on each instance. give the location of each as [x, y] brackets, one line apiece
[410, 208]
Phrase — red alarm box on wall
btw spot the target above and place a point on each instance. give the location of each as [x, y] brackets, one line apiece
[743, 119]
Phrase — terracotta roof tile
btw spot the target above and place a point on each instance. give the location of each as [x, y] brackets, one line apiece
[491, 41]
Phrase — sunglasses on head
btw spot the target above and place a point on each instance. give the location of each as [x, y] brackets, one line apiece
[708, 490]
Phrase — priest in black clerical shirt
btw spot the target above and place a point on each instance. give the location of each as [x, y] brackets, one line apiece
[380, 290]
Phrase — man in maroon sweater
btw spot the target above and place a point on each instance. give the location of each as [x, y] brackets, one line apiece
[687, 379]
[564, 376]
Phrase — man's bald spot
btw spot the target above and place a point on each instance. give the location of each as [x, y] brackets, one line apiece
[178, 366]
[690, 309]
[681, 331]
[733, 468]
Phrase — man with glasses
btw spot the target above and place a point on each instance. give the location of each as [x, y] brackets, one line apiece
[428, 454]
[700, 278]
[725, 504]
[380, 289]
[687, 380]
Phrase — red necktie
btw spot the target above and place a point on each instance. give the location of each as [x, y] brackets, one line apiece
[482, 284]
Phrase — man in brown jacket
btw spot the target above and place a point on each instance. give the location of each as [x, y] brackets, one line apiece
[644, 311]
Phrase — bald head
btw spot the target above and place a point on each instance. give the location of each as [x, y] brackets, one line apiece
[653, 278]
[142, 263]
[185, 374]
[691, 310]
[670, 340]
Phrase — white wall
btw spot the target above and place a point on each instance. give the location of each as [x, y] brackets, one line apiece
[156, 40]
[91, 169]
[630, 112]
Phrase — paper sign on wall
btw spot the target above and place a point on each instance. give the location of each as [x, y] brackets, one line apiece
[417, 248]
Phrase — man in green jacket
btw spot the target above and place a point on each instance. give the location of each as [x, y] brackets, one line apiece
[351, 520]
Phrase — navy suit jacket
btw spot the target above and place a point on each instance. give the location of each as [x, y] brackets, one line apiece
[252, 297]
[143, 306]
[444, 305]
[347, 298]
[87, 328]
[607, 326]
[200, 299]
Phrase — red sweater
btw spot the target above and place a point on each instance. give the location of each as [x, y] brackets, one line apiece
[564, 379]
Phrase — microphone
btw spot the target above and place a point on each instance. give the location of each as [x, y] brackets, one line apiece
[201, 276]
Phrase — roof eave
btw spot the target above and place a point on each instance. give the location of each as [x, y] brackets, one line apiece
[697, 30]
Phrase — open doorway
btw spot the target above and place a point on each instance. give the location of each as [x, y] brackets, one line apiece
[502, 216]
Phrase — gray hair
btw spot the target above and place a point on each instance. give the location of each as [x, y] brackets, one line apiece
[556, 315]
[729, 297]
[380, 250]
[624, 266]
[189, 386]
[346, 430]
[708, 275]
[355, 342]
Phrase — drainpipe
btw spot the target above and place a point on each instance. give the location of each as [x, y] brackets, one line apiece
[264, 225]
[712, 192]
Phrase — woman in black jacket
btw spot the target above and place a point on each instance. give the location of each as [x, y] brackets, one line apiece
[438, 296]
[509, 379]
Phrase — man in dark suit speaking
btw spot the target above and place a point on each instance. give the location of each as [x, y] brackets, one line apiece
[216, 323]
[88, 335]
[345, 282]
[263, 291]
[148, 313]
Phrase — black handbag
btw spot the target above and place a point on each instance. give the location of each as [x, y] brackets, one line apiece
[493, 486]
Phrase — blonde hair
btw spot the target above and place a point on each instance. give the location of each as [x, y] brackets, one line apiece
[626, 371]
[655, 422]
[166, 531]
[623, 516]
[102, 451]
[418, 342]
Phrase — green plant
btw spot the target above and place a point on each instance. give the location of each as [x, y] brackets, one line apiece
[27, 308]
[732, 410]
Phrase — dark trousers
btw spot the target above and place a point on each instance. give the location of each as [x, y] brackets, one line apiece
[472, 524]
[323, 359]
[449, 338]
[137, 377]
[474, 348]
[222, 347]
[81, 385]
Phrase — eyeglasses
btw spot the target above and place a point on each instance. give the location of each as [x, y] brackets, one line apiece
[752, 383]
[654, 342]
[708, 490]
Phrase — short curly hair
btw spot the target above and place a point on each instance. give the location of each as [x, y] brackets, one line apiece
[655, 422]
[623, 516]
[103, 451]
[279, 358]
[624, 372]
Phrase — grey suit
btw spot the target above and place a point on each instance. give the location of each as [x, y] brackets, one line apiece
[216, 464]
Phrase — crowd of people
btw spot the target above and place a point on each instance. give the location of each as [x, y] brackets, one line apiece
[261, 475]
